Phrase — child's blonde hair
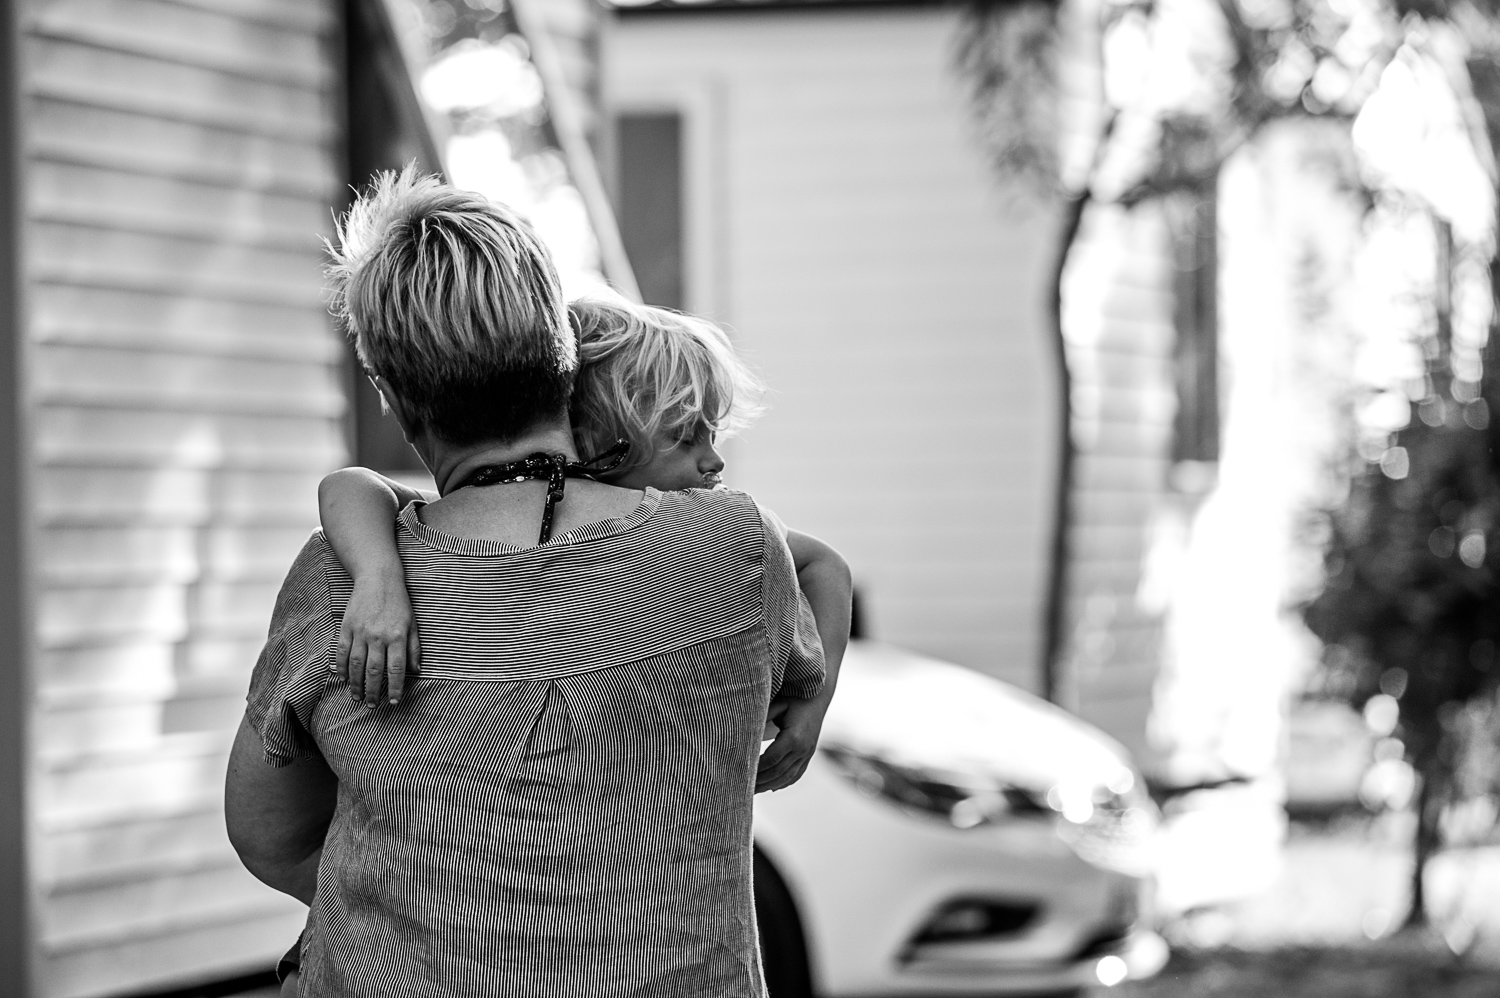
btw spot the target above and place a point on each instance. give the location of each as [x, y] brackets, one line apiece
[645, 371]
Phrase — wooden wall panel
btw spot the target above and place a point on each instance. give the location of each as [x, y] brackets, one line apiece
[121, 258]
[186, 321]
[188, 394]
[198, 35]
[74, 496]
[64, 192]
[125, 669]
[70, 132]
[100, 77]
[183, 382]
[152, 438]
[196, 950]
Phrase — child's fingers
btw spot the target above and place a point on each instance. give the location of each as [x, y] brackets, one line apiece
[783, 754]
[415, 641]
[795, 774]
[768, 781]
[779, 781]
[355, 674]
[789, 771]
[395, 670]
[341, 660]
[374, 673]
[774, 753]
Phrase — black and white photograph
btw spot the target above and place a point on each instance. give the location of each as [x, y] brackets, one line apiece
[750, 499]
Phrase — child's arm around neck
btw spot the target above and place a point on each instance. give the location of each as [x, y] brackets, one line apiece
[378, 638]
[824, 577]
[828, 585]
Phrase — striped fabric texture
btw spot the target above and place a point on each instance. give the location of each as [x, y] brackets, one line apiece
[561, 805]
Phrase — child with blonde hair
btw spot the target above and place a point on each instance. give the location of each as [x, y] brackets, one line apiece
[667, 386]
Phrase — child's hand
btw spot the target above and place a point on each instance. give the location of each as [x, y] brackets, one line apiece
[378, 641]
[785, 760]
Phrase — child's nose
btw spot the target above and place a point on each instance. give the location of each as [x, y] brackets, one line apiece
[711, 463]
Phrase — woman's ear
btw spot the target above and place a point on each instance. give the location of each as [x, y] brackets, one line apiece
[391, 402]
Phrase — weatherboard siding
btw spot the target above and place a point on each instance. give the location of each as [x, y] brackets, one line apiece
[186, 396]
[842, 219]
[1119, 338]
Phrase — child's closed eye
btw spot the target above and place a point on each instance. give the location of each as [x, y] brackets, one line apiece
[695, 435]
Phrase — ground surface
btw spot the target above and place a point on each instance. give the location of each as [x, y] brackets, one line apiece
[1325, 928]
[1372, 971]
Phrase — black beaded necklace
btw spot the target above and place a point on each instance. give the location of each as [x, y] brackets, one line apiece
[555, 468]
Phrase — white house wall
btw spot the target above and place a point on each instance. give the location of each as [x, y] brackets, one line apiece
[842, 219]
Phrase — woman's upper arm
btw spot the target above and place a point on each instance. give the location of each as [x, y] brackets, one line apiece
[276, 815]
[279, 792]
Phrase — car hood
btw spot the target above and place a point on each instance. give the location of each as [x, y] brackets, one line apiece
[918, 711]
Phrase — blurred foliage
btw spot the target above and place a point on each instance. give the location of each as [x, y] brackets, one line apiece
[1410, 608]
[1203, 76]
[449, 21]
[1008, 56]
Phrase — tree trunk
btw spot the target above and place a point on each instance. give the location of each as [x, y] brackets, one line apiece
[1425, 844]
[1489, 378]
[1484, 79]
[1057, 581]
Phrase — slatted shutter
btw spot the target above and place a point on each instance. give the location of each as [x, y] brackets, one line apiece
[187, 392]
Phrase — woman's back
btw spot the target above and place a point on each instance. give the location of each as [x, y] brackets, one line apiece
[562, 803]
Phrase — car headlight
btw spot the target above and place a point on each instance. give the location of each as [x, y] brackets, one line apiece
[1106, 822]
[1110, 825]
[964, 800]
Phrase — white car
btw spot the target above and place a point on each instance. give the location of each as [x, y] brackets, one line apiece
[954, 836]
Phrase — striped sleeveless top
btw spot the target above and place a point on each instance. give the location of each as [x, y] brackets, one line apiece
[561, 805]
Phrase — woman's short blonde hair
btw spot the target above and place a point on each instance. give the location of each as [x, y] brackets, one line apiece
[647, 372]
[454, 301]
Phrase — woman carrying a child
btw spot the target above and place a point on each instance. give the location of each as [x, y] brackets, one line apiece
[559, 802]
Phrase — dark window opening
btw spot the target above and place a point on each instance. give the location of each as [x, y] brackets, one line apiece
[384, 130]
[1194, 225]
[648, 154]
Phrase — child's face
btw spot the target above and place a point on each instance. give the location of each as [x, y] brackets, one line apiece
[682, 461]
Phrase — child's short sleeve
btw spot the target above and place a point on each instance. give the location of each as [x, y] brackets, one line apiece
[293, 670]
[791, 631]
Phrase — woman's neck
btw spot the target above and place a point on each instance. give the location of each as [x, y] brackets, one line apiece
[451, 464]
